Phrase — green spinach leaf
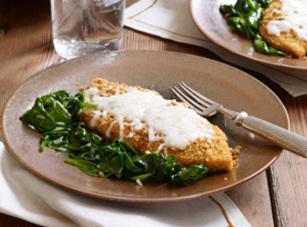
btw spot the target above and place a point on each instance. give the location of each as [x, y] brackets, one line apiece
[244, 18]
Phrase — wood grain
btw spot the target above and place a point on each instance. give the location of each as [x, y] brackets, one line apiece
[276, 198]
[287, 176]
[25, 43]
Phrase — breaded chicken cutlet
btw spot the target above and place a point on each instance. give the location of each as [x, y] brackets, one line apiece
[280, 29]
[150, 123]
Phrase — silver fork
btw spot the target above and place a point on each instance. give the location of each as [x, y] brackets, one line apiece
[275, 134]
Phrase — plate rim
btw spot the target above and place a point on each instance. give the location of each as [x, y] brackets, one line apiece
[221, 44]
[115, 198]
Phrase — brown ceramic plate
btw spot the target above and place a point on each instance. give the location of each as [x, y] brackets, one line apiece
[211, 23]
[158, 70]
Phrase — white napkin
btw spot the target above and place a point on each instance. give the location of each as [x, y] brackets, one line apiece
[172, 20]
[25, 196]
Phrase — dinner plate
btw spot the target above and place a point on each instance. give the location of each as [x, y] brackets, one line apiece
[212, 24]
[155, 70]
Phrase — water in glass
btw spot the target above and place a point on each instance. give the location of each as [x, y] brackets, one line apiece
[86, 26]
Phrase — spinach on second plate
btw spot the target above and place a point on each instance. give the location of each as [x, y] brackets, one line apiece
[244, 18]
[56, 116]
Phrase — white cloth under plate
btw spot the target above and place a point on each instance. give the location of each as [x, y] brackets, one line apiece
[25, 196]
[171, 19]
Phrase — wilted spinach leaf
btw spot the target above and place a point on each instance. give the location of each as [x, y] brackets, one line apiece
[244, 18]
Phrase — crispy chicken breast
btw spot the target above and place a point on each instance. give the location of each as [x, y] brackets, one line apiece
[288, 40]
[111, 123]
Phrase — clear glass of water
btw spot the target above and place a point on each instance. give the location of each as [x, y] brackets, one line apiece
[80, 27]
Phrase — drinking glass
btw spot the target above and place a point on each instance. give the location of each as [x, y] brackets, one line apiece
[86, 26]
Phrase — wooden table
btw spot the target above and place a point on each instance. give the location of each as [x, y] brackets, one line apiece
[275, 197]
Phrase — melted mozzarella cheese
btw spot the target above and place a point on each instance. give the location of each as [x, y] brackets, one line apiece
[178, 124]
[293, 17]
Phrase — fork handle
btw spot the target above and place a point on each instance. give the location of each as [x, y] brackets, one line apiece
[277, 135]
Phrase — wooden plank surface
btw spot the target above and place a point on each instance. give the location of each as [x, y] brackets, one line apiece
[276, 197]
[287, 177]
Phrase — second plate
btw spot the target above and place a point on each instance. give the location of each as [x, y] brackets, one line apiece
[212, 24]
